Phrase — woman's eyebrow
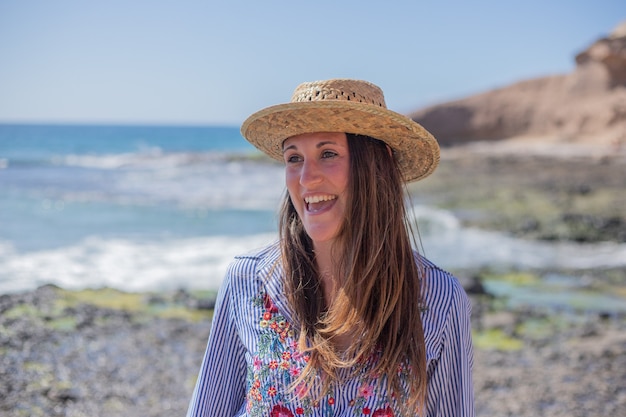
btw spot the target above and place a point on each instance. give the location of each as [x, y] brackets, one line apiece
[319, 145]
[328, 142]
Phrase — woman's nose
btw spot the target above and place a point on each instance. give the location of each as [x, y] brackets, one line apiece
[310, 174]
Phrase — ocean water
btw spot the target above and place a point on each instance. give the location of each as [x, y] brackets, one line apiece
[130, 207]
[154, 207]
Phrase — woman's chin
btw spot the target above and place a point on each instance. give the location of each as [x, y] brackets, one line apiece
[320, 236]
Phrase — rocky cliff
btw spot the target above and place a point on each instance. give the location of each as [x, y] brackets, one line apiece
[587, 105]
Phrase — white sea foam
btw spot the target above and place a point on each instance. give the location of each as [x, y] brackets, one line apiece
[452, 246]
[201, 262]
[205, 180]
[133, 266]
[145, 158]
[221, 184]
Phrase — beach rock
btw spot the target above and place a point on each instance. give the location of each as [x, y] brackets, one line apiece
[135, 363]
[472, 284]
[610, 53]
[587, 105]
[90, 360]
[565, 373]
[588, 228]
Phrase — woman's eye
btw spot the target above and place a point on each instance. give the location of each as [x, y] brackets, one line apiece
[293, 159]
[328, 154]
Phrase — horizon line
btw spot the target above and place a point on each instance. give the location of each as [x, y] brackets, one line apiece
[115, 124]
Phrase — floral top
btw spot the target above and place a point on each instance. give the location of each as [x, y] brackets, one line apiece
[252, 356]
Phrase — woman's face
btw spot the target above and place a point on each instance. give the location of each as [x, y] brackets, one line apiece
[316, 173]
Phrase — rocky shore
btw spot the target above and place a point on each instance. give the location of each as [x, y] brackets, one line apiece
[99, 353]
[533, 189]
[108, 353]
[88, 353]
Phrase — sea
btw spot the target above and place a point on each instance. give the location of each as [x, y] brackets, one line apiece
[151, 208]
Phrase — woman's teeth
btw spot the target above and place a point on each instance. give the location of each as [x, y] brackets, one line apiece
[319, 198]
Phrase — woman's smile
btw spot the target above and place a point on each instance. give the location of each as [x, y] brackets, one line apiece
[319, 203]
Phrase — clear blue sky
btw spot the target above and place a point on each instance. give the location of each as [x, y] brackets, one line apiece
[215, 62]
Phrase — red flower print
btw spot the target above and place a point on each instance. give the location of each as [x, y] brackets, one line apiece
[286, 355]
[331, 401]
[366, 391]
[269, 304]
[367, 410]
[299, 410]
[293, 371]
[273, 364]
[267, 315]
[272, 391]
[386, 412]
[302, 391]
[253, 393]
[281, 411]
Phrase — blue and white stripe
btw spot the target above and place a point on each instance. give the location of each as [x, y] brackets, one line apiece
[222, 382]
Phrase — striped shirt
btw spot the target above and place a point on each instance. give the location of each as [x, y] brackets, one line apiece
[252, 355]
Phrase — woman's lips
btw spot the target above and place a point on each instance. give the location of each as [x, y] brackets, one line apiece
[319, 203]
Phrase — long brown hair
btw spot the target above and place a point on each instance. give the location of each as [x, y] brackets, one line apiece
[378, 299]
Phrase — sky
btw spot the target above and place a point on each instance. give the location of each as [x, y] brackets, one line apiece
[214, 62]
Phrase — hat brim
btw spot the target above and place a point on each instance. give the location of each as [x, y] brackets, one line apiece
[416, 150]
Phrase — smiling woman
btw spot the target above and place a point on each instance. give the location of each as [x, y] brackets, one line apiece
[341, 316]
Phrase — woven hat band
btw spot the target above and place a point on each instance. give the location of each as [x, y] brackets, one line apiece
[339, 90]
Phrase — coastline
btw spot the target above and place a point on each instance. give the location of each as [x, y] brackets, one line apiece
[106, 352]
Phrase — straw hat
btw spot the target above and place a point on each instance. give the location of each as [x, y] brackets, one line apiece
[349, 106]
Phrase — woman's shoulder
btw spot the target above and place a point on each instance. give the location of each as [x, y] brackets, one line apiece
[438, 276]
[251, 262]
[445, 306]
[258, 273]
[441, 289]
[246, 272]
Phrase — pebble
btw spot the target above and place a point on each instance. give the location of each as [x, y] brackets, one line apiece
[116, 363]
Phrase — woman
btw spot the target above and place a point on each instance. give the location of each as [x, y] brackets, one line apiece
[341, 316]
